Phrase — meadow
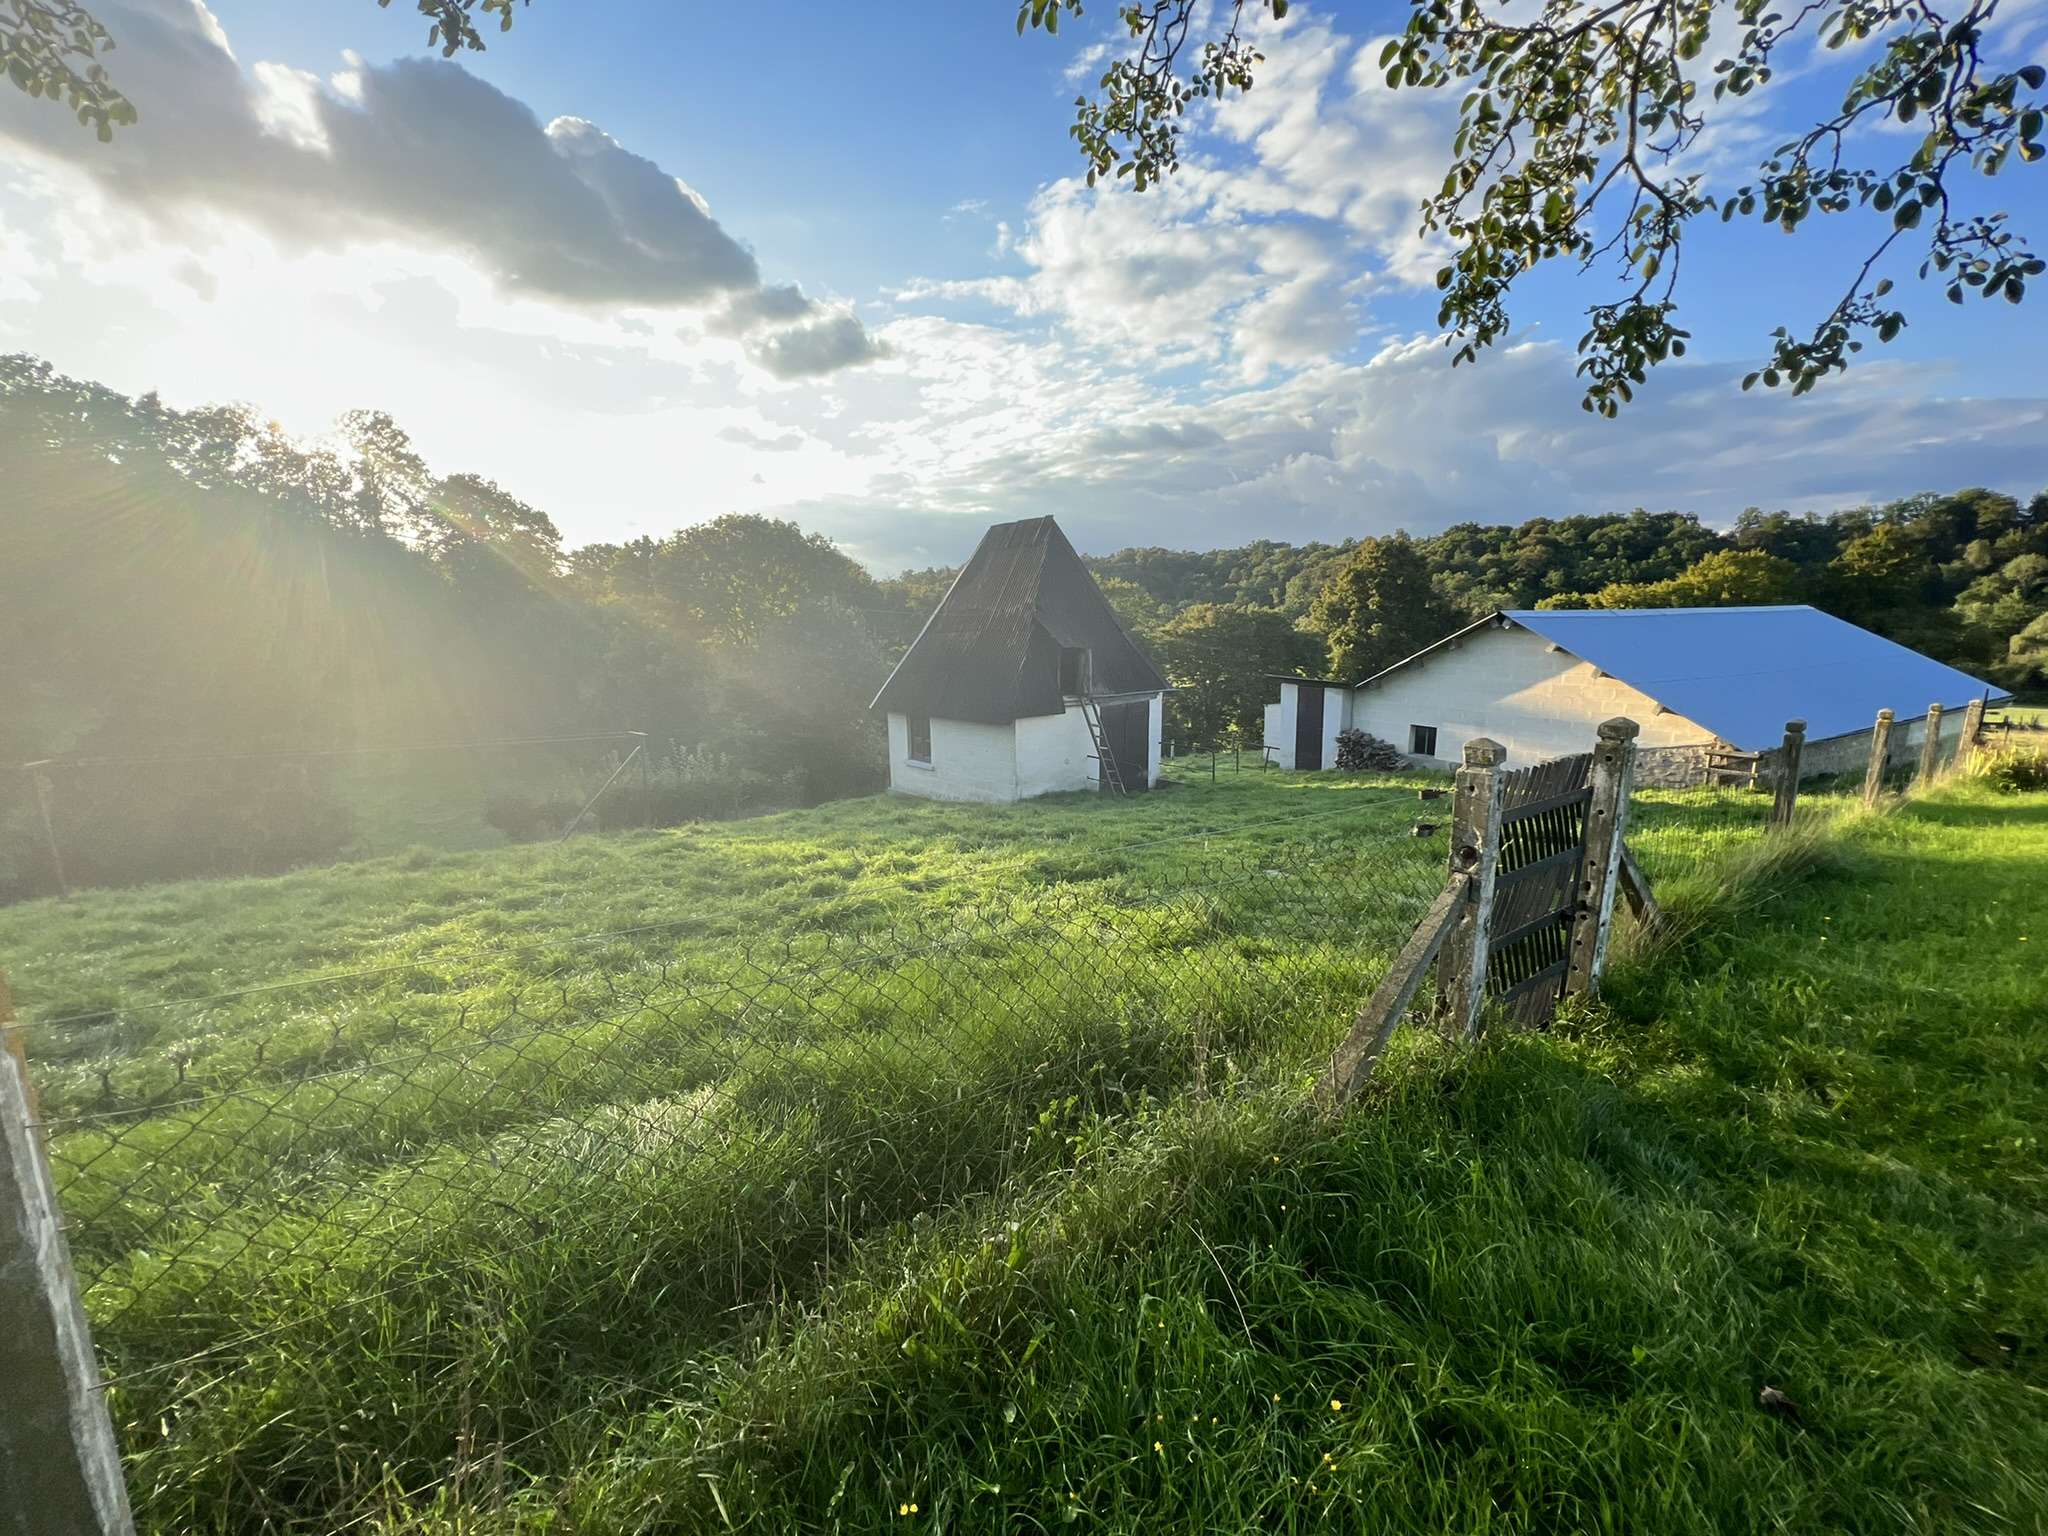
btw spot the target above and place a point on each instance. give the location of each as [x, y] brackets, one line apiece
[894, 1165]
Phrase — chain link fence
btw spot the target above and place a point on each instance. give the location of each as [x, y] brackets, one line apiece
[295, 1214]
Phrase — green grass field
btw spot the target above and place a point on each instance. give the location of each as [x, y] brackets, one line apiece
[940, 1167]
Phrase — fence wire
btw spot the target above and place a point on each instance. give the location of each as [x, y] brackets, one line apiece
[344, 1184]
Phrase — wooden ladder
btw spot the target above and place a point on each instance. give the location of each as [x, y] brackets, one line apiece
[1110, 776]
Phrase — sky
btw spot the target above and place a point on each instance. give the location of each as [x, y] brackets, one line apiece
[647, 263]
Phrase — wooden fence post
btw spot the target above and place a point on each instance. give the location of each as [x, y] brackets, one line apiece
[1383, 1011]
[1930, 747]
[1614, 777]
[1475, 851]
[1789, 755]
[1880, 759]
[1973, 727]
[42, 785]
[60, 1474]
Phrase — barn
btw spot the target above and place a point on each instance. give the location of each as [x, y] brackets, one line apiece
[1023, 682]
[1707, 685]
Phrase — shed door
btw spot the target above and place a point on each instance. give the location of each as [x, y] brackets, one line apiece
[1128, 730]
[1308, 726]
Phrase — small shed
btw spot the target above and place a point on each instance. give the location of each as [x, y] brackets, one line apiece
[1705, 684]
[1023, 682]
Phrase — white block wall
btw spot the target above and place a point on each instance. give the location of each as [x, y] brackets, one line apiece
[1053, 752]
[1338, 715]
[1156, 732]
[1041, 755]
[969, 761]
[1510, 685]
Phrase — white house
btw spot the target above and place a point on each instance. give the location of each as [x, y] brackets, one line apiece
[1023, 682]
[1699, 681]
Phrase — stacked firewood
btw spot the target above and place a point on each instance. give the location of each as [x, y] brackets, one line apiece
[1357, 749]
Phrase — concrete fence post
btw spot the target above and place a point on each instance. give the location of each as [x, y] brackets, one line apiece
[1614, 777]
[1475, 852]
[1880, 759]
[60, 1474]
[1973, 727]
[1789, 755]
[1930, 747]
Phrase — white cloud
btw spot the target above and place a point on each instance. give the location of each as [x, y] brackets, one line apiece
[1198, 365]
[418, 152]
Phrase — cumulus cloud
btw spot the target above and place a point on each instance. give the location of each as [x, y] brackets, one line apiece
[1399, 440]
[824, 345]
[794, 337]
[747, 437]
[416, 151]
[1233, 356]
[1294, 204]
[419, 148]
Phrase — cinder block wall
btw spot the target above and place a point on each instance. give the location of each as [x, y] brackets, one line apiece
[1510, 685]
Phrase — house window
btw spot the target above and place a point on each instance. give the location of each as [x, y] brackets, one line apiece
[1073, 672]
[1422, 741]
[920, 738]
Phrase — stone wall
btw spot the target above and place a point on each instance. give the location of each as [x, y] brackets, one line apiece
[1671, 767]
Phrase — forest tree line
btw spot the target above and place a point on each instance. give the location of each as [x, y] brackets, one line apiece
[211, 635]
[1961, 577]
[208, 629]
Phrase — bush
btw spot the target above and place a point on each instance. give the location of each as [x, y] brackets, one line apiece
[2018, 770]
[525, 817]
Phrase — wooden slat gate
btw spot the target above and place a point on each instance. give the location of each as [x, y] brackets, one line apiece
[1536, 886]
[1537, 858]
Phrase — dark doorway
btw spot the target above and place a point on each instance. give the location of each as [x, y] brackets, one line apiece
[1127, 728]
[1073, 673]
[1308, 726]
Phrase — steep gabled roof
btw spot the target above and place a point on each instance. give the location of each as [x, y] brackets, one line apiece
[1743, 672]
[991, 652]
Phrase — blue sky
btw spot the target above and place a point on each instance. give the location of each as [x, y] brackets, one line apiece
[1249, 353]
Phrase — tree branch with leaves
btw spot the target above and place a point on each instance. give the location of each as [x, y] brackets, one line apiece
[1579, 138]
[53, 48]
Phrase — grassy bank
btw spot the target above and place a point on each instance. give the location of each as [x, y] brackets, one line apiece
[1532, 1287]
[1535, 1287]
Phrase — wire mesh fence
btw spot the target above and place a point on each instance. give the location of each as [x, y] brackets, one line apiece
[315, 1197]
[86, 821]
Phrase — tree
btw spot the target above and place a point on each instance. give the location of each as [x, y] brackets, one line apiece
[727, 581]
[1380, 607]
[1728, 578]
[1219, 657]
[52, 48]
[1883, 570]
[1574, 143]
[1136, 609]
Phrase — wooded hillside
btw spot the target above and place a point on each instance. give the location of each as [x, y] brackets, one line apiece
[236, 652]
[214, 634]
[1962, 577]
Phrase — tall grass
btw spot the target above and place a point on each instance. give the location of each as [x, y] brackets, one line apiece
[977, 1242]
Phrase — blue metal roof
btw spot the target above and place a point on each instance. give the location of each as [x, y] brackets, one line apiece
[1743, 672]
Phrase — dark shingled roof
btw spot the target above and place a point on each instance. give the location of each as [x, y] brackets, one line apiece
[992, 651]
